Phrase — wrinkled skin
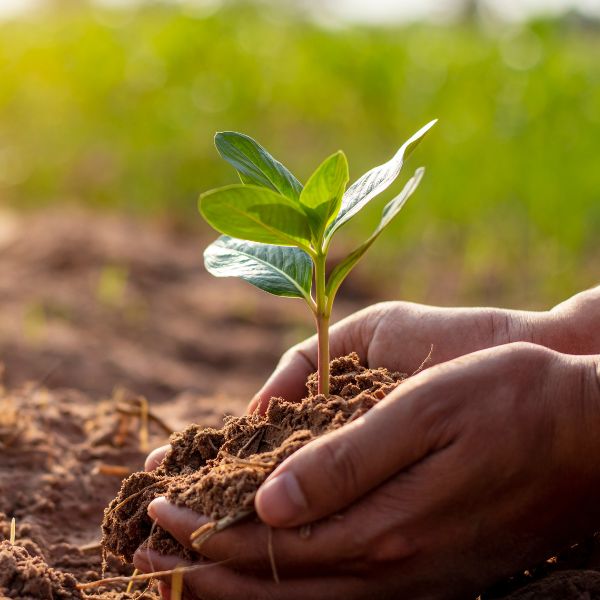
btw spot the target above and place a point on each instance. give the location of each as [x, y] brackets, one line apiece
[480, 465]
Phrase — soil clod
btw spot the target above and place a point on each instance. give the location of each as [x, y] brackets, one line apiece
[218, 472]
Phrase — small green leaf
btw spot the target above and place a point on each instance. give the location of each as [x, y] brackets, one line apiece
[279, 270]
[257, 214]
[375, 181]
[255, 165]
[322, 194]
[390, 210]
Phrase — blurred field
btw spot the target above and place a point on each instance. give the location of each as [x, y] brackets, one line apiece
[117, 109]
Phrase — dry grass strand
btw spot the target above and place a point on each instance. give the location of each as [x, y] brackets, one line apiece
[129, 498]
[144, 428]
[272, 554]
[130, 584]
[202, 534]
[141, 577]
[177, 584]
[114, 470]
[422, 365]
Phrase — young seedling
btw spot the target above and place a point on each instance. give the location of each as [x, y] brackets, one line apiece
[277, 232]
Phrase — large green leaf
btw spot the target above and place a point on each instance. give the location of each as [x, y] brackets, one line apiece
[257, 214]
[255, 165]
[390, 210]
[375, 181]
[322, 194]
[279, 270]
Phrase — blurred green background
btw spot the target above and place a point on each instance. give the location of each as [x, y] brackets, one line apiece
[115, 108]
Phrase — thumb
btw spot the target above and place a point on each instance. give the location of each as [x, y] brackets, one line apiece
[289, 378]
[330, 473]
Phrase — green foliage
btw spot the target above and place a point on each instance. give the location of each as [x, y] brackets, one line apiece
[253, 213]
[375, 181]
[116, 108]
[255, 165]
[280, 263]
[279, 270]
[390, 210]
[258, 214]
[322, 196]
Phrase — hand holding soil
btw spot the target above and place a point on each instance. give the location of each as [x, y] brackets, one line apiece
[399, 484]
[477, 466]
[400, 335]
[454, 480]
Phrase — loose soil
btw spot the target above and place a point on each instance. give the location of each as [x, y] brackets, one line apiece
[91, 306]
[217, 472]
[63, 455]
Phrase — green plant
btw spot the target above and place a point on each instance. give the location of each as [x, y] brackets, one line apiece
[277, 233]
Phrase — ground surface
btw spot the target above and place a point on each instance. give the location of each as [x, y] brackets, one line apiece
[99, 305]
[91, 302]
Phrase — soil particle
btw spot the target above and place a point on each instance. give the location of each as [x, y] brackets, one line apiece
[217, 472]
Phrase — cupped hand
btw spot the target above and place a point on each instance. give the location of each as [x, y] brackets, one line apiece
[400, 336]
[466, 473]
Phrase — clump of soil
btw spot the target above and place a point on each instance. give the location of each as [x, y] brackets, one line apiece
[62, 454]
[216, 472]
[29, 577]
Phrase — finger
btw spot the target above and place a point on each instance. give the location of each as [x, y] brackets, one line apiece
[247, 545]
[289, 378]
[156, 457]
[333, 546]
[178, 521]
[288, 381]
[151, 561]
[213, 581]
[410, 424]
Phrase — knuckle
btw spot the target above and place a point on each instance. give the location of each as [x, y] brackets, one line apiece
[529, 351]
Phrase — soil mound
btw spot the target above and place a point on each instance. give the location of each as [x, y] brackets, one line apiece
[63, 456]
[29, 577]
[217, 472]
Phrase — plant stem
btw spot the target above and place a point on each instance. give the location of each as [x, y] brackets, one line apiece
[322, 315]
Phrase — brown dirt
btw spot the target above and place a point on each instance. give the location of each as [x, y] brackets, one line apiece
[55, 448]
[217, 472]
[91, 302]
[25, 576]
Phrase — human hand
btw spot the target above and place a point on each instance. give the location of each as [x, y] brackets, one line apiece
[156, 457]
[464, 474]
[400, 336]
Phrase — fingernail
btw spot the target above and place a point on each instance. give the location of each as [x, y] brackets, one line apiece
[154, 507]
[281, 500]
